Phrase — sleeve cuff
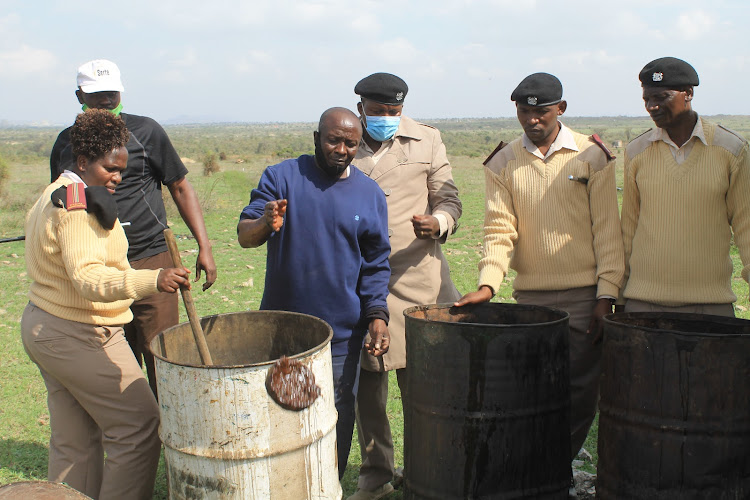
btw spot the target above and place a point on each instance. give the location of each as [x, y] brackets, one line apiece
[443, 221]
[378, 313]
[605, 289]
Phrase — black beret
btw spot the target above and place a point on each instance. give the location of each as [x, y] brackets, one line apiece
[668, 72]
[539, 89]
[384, 88]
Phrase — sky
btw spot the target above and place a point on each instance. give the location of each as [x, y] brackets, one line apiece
[198, 61]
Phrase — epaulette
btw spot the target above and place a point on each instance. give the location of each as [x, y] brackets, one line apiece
[597, 140]
[96, 200]
[497, 149]
[641, 134]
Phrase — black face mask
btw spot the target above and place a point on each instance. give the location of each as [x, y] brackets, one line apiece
[333, 171]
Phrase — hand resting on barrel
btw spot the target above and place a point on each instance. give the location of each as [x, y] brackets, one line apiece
[379, 338]
[171, 279]
[484, 294]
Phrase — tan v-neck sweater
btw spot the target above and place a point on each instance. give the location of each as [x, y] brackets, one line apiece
[678, 219]
[555, 232]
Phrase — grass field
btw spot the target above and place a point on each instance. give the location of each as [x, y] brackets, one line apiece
[24, 420]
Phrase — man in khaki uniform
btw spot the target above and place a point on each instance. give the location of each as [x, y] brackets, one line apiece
[551, 214]
[684, 200]
[408, 161]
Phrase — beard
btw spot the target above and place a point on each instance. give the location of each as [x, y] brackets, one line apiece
[334, 171]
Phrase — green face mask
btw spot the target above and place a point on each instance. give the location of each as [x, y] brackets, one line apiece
[115, 111]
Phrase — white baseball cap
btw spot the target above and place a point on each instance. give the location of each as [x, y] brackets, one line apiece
[99, 75]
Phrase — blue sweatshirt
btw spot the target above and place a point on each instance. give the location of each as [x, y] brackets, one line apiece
[330, 258]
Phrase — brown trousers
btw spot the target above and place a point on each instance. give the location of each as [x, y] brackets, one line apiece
[374, 429]
[151, 316]
[633, 305]
[585, 357]
[99, 402]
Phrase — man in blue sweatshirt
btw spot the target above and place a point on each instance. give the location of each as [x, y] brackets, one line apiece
[326, 227]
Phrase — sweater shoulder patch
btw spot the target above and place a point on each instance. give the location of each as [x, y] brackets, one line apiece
[499, 158]
[638, 145]
[729, 140]
[595, 157]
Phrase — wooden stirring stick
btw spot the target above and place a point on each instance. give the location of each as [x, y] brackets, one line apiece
[187, 298]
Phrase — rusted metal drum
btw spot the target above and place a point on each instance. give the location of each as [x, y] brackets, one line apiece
[40, 490]
[224, 437]
[487, 406]
[674, 417]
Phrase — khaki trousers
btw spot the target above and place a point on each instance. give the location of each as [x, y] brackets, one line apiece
[634, 305]
[151, 316]
[585, 357]
[373, 426]
[99, 402]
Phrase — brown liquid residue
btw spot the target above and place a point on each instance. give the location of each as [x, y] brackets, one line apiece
[291, 384]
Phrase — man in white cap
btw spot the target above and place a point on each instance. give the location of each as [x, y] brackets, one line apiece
[152, 161]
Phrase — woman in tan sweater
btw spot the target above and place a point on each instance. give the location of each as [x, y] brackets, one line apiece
[82, 287]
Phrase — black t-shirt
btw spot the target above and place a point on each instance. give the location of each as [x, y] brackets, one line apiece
[152, 161]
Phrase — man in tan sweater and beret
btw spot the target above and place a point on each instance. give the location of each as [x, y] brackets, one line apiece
[551, 214]
[686, 193]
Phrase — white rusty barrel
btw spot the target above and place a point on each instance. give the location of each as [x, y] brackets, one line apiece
[39, 490]
[224, 437]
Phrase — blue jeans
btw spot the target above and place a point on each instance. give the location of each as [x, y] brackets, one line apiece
[345, 384]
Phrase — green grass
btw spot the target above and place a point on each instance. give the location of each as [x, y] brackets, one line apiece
[24, 420]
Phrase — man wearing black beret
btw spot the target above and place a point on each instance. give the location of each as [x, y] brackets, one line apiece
[685, 196]
[408, 161]
[551, 214]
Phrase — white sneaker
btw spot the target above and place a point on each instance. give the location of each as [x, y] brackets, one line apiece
[381, 492]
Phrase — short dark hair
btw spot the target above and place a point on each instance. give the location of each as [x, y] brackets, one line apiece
[97, 132]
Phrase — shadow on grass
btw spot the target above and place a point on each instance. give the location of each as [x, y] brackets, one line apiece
[22, 460]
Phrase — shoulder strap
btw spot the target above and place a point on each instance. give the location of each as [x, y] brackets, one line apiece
[497, 149]
[597, 140]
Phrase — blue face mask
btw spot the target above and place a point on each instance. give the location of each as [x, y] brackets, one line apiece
[382, 128]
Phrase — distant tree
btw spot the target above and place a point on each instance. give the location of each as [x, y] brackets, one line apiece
[210, 164]
[600, 131]
[628, 133]
[4, 175]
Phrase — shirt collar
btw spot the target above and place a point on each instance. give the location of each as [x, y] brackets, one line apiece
[564, 139]
[660, 134]
[68, 174]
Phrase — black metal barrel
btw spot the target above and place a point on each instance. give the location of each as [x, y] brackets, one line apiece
[674, 416]
[487, 403]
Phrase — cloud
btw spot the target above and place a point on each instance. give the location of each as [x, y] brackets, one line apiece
[187, 60]
[253, 61]
[695, 24]
[25, 61]
[400, 49]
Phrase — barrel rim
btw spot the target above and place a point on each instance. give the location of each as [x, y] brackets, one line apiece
[303, 354]
[611, 319]
[564, 316]
[60, 487]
